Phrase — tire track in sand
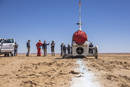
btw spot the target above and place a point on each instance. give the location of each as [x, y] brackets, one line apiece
[86, 77]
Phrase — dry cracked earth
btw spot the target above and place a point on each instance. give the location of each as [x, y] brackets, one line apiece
[111, 70]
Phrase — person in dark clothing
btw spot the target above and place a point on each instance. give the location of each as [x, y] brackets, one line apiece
[62, 49]
[53, 48]
[28, 48]
[90, 49]
[44, 46]
[15, 49]
[90, 45]
[69, 49]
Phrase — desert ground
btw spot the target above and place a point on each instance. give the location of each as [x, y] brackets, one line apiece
[111, 70]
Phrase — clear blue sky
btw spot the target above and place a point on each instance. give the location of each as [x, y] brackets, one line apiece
[107, 22]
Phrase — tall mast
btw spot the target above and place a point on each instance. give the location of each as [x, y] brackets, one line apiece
[80, 23]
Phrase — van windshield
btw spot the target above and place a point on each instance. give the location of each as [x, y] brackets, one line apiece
[8, 41]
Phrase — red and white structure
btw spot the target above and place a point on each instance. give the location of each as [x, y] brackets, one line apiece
[80, 44]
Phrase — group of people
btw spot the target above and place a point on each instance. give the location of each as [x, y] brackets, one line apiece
[40, 46]
[66, 49]
[43, 46]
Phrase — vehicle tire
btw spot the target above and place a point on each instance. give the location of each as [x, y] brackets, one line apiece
[8, 54]
[12, 54]
[5, 55]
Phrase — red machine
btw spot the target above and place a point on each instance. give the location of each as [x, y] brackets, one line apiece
[80, 37]
[80, 44]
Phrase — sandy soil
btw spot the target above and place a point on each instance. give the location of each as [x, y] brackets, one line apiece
[35, 71]
[112, 70]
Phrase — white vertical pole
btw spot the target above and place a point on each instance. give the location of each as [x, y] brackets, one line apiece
[80, 23]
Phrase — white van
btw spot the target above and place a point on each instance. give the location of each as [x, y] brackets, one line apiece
[7, 47]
